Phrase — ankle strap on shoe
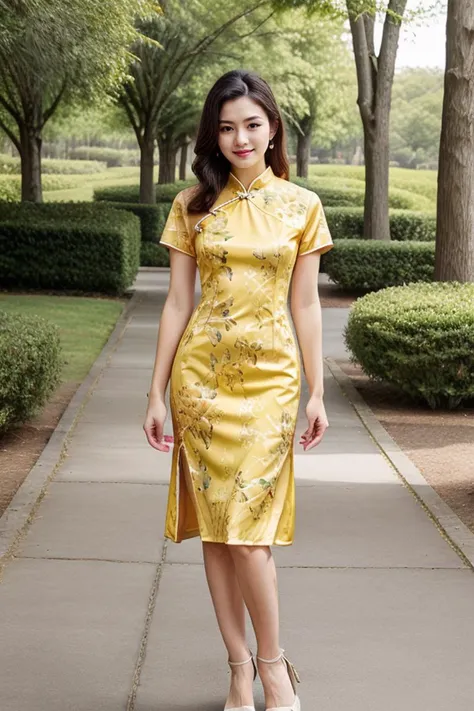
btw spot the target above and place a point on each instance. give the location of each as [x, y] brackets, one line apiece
[239, 664]
[271, 661]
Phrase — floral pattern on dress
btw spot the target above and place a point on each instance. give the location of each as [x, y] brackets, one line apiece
[235, 381]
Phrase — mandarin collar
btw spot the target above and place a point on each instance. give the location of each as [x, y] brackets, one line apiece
[261, 181]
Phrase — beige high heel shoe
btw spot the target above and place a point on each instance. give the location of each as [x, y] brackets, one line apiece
[294, 678]
[239, 664]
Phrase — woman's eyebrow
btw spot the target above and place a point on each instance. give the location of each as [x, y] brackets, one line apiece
[251, 118]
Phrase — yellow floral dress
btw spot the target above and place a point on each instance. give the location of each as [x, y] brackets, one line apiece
[235, 380]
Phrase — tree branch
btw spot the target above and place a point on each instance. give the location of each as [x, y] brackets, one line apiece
[388, 47]
[11, 136]
[365, 98]
[49, 112]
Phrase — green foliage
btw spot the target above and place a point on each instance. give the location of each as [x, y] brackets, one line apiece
[73, 246]
[372, 264]
[422, 184]
[10, 185]
[152, 218]
[405, 225]
[30, 366]
[50, 166]
[153, 255]
[131, 193]
[113, 157]
[353, 196]
[418, 337]
[415, 119]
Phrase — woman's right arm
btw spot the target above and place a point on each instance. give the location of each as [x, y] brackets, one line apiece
[176, 313]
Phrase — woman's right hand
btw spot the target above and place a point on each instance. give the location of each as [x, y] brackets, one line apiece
[153, 426]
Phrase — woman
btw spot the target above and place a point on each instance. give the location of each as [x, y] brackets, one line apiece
[235, 369]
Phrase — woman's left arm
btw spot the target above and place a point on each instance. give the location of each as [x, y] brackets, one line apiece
[306, 314]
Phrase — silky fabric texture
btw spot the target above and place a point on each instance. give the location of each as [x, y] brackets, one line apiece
[235, 379]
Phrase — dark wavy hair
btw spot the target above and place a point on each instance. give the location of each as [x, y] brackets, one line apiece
[210, 166]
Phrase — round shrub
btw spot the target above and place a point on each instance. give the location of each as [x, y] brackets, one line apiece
[367, 265]
[418, 337]
[30, 366]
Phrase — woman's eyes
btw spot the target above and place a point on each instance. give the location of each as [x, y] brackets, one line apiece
[251, 125]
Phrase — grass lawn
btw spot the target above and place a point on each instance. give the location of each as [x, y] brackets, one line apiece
[85, 324]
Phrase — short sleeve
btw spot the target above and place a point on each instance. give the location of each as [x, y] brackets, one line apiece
[175, 233]
[315, 236]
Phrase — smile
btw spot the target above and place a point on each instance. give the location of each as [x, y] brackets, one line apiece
[242, 154]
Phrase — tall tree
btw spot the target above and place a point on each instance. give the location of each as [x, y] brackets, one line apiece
[455, 225]
[53, 50]
[180, 40]
[375, 79]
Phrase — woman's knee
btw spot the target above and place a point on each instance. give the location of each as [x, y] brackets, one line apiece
[242, 552]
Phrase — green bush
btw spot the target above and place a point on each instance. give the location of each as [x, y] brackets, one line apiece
[73, 246]
[131, 193]
[30, 366]
[10, 185]
[53, 166]
[332, 196]
[153, 255]
[418, 337]
[152, 218]
[371, 264]
[348, 223]
[113, 157]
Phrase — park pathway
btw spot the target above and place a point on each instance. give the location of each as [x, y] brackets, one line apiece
[98, 613]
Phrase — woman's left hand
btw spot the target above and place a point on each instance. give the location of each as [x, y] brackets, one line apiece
[317, 423]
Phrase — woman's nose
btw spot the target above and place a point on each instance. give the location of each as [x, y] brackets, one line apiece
[241, 138]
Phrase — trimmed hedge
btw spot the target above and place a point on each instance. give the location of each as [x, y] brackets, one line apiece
[152, 217]
[355, 197]
[113, 157]
[131, 193]
[348, 223]
[53, 166]
[368, 265]
[418, 337]
[73, 246]
[153, 255]
[30, 366]
[10, 185]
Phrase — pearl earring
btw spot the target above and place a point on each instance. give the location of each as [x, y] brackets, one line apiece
[271, 145]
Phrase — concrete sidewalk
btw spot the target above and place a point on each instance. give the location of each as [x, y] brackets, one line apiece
[98, 613]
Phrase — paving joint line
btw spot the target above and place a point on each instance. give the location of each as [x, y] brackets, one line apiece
[146, 629]
[341, 567]
[81, 559]
[449, 525]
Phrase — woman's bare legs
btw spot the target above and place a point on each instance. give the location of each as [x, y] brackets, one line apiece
[230, 612]
[256, 573]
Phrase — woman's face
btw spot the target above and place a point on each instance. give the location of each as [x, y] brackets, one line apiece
[244, 132]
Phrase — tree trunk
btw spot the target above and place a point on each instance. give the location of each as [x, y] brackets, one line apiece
[455, 220]
[303, 147]
[167, 157]
[147, 185]
[375, 81]
[377, 160]
[30, 142]
[183, 160]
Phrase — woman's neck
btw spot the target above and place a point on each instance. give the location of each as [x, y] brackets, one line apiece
[247, 175]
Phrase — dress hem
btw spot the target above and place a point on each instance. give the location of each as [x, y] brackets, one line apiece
[194, 534]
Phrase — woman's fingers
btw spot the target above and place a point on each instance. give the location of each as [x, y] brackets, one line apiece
[154, 434]
[314, 434]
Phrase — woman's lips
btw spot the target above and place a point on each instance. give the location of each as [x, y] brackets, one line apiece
[241, 154]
